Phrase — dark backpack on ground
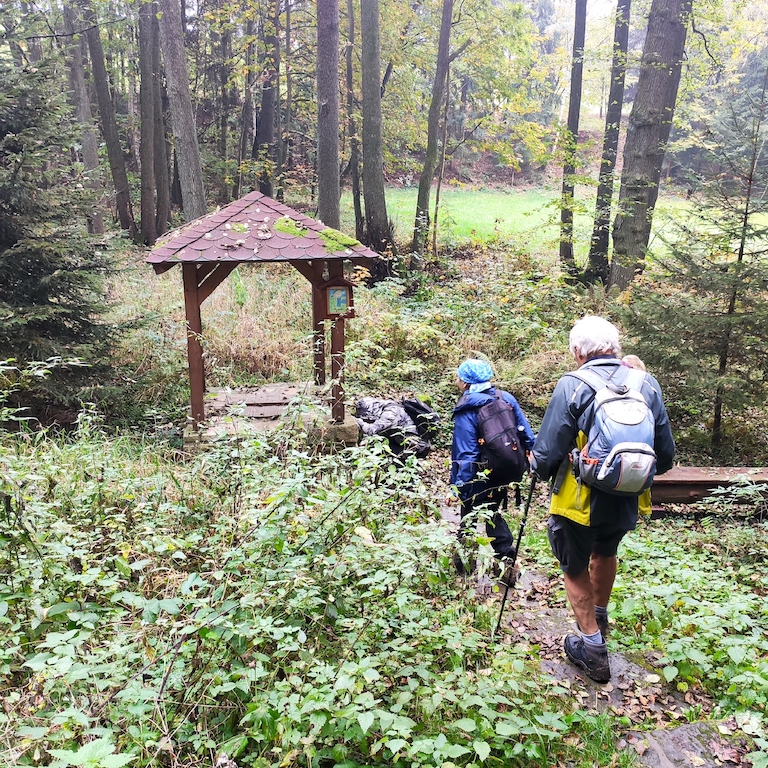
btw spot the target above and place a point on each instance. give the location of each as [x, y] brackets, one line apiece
[426, 420]
[501, 447]
[619, 457]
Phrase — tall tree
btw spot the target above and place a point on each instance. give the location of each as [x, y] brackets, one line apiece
[421, 224]
[709, 332]
[328, 190]
[51, 292]
[161, 165]
[247, 115]
[571, 138]
[268, 114]
[82, 104]
[378, 232]
[599, 268]
[107, 118]
[183, 120]
[147, 112]
[647, 134]
[354, 141]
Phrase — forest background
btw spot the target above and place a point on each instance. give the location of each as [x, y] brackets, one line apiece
[161, 607]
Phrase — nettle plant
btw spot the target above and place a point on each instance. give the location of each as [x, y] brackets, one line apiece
[261, 600]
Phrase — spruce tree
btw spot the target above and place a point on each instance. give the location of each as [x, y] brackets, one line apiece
[51, 273]
[700, 314]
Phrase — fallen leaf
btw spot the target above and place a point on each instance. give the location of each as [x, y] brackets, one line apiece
[724, 751]
[652, 679]
[641, 747]
[693, 759]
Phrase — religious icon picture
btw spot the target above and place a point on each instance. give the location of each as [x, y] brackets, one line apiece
[339, 299]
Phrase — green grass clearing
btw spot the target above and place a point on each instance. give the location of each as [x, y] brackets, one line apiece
[526, 218]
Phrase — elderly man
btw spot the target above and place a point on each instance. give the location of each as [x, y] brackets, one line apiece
[587, 524]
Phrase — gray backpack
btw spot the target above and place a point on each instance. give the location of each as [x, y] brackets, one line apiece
[619, 457]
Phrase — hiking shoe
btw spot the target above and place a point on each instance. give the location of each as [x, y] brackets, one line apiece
[508, 572]
[602, 625]
[462, 568]
[593, 659]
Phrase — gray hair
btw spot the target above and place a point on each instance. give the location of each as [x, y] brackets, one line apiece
[594, 336]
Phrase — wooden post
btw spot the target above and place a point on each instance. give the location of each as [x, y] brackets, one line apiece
[194, 345]
[336, 269]
[337, 369]
[318, 336]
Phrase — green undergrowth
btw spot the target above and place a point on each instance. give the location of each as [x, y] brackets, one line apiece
[694, 591]
[258, 599]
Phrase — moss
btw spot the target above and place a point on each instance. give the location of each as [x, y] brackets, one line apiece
[289, 226]
[337, 241]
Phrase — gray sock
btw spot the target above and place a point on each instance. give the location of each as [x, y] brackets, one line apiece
[602, 611]
[596, 639]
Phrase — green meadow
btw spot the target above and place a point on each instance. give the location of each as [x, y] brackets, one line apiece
[526, 218]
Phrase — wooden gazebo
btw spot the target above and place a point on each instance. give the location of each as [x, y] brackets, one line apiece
[258, 229]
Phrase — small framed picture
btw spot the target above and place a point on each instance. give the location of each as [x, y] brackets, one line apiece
[339, 299]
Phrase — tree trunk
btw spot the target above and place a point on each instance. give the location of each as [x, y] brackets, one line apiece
[226, 105]
[286, 141]
[421, 224]
[265, 138]
[441, 166]
[246, 127]
[354, 142]
[598, 250]
[183, 120]
[161, 164]
[571, 139]
[378, 232]
[328, 112]
[82, 105]
[147, 110]
[108, 124]
[647, 134]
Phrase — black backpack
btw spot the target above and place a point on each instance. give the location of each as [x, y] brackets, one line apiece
[426, 420]
[501, 448]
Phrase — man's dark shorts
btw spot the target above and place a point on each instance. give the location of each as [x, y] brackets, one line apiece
[573, 544]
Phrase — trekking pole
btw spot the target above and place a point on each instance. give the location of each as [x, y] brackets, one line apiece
[517, 549]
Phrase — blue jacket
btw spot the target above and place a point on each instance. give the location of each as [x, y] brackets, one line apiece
[465, 448]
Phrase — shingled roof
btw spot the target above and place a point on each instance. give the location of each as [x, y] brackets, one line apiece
[254, 228]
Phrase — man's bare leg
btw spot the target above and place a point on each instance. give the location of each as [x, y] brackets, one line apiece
[582, 599]
[602, 574]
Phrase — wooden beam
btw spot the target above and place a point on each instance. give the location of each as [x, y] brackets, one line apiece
[315, 276]
[337, 369]
[194, 344]
[318, 336]
[208, 284]
[308, 270]
[336, 269]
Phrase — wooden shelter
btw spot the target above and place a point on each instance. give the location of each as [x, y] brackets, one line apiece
[258, 229]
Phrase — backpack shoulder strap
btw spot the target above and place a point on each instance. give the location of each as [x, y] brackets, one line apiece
[619, 384]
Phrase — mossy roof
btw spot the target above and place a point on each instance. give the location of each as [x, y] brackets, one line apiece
[252, 229]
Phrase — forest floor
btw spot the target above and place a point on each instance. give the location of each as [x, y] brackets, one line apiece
[668, 729]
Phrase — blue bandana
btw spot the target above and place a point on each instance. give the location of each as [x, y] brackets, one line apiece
[474, 371]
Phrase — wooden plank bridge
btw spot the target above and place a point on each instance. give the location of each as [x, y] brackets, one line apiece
[685, 485]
